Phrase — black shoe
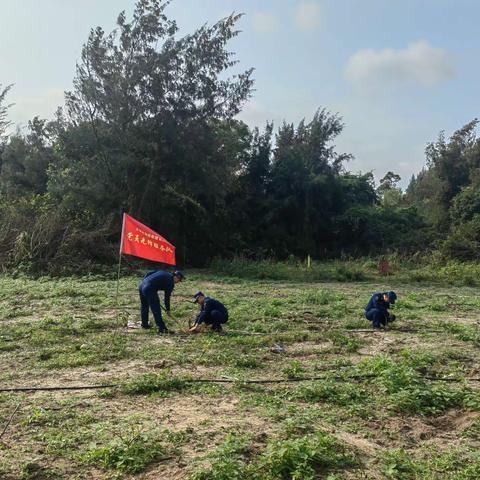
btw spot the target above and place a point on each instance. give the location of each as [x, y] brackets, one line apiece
[165, 331]
[146, 327]
[217, 328]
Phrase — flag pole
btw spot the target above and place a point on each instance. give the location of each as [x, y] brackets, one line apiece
[120, 258]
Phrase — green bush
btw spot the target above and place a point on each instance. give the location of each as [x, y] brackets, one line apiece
[332, 391]
[151, 383]
[305, 458]
[452, 464]
[344, 343]
[228, 461]
[467, 333]
[419, 268]
[338, 270]
[128, 455]
[294, 370]
[399, 465]
[406, 391]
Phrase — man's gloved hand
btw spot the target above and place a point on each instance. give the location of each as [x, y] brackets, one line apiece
[391, 318]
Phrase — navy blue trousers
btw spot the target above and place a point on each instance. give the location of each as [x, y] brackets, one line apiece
[216, 318]
[377, 316]
[149, 299]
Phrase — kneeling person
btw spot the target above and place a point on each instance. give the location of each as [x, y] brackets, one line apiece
[212, 313]
[377, 309]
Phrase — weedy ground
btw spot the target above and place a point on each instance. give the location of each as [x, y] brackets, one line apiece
[374, 413]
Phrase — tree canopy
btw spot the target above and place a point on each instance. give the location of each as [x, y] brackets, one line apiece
[151, 127]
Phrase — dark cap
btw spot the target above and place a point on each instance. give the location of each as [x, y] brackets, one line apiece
[198, 294]
[392, 296]
[179, 275]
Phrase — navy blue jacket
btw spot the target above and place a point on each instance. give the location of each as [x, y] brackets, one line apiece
[160, 280]
[208, 306]
[377, 301]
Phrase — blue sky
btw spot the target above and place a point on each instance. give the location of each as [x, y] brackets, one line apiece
[397, 71]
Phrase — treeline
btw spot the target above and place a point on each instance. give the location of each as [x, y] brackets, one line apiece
[150, 128]
[447, 192]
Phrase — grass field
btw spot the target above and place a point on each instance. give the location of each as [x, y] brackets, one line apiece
[374, 411]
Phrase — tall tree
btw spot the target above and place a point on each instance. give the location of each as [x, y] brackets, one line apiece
[305, 192]
[4, 122]
[451, 166]
[26, 160]
[389, 192]
[148, 97]
[148, 126]
[249, 201]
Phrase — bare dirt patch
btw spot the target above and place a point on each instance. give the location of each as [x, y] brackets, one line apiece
[455, 420]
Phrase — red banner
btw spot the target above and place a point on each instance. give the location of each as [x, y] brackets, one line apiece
[141, 241]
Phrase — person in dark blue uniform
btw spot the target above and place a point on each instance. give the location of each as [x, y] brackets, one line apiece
[212, 313]
[153, 282]
[377, 309]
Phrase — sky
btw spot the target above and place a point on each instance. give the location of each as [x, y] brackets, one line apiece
[397, 71]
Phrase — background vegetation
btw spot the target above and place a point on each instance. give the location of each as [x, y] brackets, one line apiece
[150, 128]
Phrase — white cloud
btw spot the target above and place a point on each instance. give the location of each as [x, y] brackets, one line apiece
[265, 22]
[255, 114]
[307, 16]
[418, 64]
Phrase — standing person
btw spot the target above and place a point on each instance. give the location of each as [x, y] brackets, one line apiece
[377, 309]
[212, 313]
[153, 282]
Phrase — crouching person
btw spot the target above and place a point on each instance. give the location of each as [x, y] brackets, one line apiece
[151, 284]
[212, 312]
[377, 309]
